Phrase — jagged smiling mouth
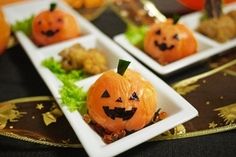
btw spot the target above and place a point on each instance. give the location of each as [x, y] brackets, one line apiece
[119, 112]
[163, 46]
[50, 33]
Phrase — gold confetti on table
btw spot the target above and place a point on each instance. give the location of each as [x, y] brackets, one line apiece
[212, 125]
[39, 106]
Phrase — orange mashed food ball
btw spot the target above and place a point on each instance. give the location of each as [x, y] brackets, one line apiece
[167, 42]
[52, 26]
[122, 102]
[5, 32]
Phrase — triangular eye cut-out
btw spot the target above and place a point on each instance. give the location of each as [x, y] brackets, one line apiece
[119, 100]
[134, 96]
[105, 94]
[176, 37]
[158, 32]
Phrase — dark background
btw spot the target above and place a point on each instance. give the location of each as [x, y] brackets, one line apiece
[18, 78]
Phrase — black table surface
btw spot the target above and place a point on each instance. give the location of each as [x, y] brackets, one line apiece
[18, 78]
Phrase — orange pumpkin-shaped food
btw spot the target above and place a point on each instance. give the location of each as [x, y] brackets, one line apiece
[53, 26]
[4, 33]
[122, 102]
[167, 42]
[77, 4]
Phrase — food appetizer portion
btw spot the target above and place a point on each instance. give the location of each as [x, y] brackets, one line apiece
[121, 102]
[49, 26]
[217, 25]
[91, 61]
[168, 41]
[117, 104]
[165, 42]
[77, 59]
[74, 64]
[53, 25]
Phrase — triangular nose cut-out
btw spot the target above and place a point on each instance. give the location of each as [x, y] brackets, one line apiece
[105, 94]
[119, 100]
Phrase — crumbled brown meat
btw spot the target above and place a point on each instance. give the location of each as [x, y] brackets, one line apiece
[221, 29]
[109, 138]
[232, 14]
[92, 61]
[72, 57]
[95, 62]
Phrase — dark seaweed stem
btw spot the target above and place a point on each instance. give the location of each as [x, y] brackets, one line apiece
[53, 6]
[176, 18]
[213, 8]
[122, 66]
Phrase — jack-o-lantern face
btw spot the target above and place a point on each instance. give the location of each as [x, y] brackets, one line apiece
[161, 42]
[167, 42]
[119, 102]
[120, 112]
[52, 26]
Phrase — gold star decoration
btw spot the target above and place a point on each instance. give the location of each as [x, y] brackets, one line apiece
[212, 125]
[39, 106]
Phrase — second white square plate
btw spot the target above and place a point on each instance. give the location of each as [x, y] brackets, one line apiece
[206, 46]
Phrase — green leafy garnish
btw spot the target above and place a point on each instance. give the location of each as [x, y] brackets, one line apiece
[122, 66]
[72, 76]
[71, 95]
[55, 67]
[74, 97]
[135, 34]
[25, 26]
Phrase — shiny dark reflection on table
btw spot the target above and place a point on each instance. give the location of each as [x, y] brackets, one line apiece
[18, 78]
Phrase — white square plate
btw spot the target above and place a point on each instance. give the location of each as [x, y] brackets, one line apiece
[206, 46]
[178, 109]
